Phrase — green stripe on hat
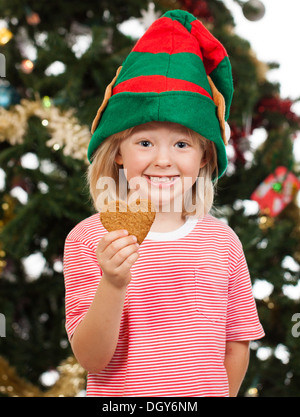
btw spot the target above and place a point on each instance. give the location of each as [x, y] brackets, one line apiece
[165, 64]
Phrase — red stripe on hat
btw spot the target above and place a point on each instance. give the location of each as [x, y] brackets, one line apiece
[158, 84]
[212, 51]
[167, 36]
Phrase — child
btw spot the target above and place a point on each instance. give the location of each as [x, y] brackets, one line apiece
[174, 316]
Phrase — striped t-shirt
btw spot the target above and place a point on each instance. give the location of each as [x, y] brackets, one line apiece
[190, 293]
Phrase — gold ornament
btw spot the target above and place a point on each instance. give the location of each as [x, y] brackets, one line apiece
[5, 36]
[265, 220]
[71, 382]
[252, 392]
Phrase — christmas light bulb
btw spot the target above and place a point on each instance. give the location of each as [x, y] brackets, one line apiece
[5, 36]
[33, 19]
[27, 66]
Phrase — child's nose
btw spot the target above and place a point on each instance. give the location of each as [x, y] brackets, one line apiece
[163, 158]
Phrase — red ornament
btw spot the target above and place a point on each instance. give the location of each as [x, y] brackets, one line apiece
[274, 105]
[33, 19]
[199, 8]
[276, 191]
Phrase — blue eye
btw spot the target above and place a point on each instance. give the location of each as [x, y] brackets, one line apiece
[145, 143]
[182, 145]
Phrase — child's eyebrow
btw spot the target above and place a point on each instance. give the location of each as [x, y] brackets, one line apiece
[141, 136]
[176, 136]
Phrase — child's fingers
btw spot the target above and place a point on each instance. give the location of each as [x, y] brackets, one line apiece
[116, 253]
[123, 254]
[129, 261]
[117, 246]
[114, 248]
[109, 237]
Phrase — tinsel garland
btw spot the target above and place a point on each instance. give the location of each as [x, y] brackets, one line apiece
[72, 380]
[64, 128]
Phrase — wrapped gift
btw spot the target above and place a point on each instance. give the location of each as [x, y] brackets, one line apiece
[276, 191]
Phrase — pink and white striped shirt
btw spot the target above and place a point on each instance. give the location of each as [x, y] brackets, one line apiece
[190, 293]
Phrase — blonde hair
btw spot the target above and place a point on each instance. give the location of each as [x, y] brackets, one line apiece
[104, 165]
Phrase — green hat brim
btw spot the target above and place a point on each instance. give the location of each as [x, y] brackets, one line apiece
[192, 110]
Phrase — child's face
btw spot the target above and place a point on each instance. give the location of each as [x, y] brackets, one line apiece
[162, 159]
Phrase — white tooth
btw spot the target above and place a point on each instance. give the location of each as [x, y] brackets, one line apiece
[161, 179]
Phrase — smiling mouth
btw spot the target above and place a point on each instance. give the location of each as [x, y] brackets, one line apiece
[167, 180]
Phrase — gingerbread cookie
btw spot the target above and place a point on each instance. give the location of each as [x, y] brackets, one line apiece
[136, 218]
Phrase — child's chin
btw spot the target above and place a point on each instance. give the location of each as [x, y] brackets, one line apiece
[166, 205]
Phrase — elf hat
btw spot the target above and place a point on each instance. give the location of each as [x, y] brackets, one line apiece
[177, 72]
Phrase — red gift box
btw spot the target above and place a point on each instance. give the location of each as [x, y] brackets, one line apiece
[276, 191]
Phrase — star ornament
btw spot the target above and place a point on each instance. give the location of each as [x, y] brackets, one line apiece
[149, 16]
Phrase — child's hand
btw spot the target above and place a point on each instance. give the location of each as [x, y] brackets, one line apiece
[116, 253]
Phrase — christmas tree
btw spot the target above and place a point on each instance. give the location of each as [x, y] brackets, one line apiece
[59, 57]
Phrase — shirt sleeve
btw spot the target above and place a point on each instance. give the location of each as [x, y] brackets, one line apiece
[81, 275]
[242, 318]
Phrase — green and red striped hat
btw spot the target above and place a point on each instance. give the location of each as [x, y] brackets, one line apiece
[177, 72]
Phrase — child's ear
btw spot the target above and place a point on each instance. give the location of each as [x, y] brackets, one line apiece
[118, 158]
[205, 159]
[208, 155]
[203, 162]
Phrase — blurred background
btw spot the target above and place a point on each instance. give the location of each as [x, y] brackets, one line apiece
[56, 59]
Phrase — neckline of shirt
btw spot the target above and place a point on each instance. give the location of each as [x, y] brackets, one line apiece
[176, 234]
